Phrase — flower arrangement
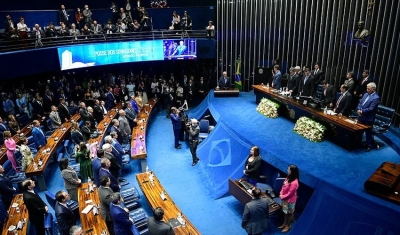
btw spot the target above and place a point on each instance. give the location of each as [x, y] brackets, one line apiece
[268, 108]
[310, 129]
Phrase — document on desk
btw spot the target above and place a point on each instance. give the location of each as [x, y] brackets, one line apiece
[87, 209]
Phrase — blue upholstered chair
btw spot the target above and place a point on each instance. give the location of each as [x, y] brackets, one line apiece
[204, 127]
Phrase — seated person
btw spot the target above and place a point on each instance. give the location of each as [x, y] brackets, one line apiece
[252, 165]
[109, 28]
[85, 31]
[156, 224]
[51, 31]
[64, 31]
[12, 34]
[121, 26]
[96, 28]
[74, 31]
[145, 23]
[224, 81]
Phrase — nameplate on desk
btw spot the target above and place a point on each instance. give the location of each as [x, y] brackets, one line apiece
[88, 201]
[174, 222]
[87, 209]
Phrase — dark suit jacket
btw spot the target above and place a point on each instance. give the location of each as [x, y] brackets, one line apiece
[159, 227]
[362, 86]
[38, 136]
[77, 137]
[86, 132]
[308, 88]
[114, 182]
[293, 84]
[115, 167]
[122, 224]
[62, 18]
[84, 114]
[176, 121]
[63, 111]
[98, 113]
[276, 80]
[368, 108]
[37, 109]
[344, 106]
[110, 99]
[255, 214]
[105, 200]
[96, 165]
[116, 129]
[65, 218]
[319, 77]
[36, 208]
[6, 190]
[224, 85]
[330, 95]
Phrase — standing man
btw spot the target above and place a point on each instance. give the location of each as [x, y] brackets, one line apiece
[131, 115]
[6, 189]
[124, 126]
[224, 81]
[122, 223]
[293, 82]
[88, 16]
[114, 10]
[176, 126]
[328, 94]
[63, 110]
[35, 205]
[194, 130]
[276, 77]
[105, 199]
[63, 16]
[64, 214]
[306, 85]
[361, 87]
[343, 104]
[254, 219]
[366, 111]
[38, 135]
[110, 100]
[156, 224]
[318, 74]
[55, 117]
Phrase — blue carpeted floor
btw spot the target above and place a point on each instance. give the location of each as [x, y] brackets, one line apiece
[323, 165]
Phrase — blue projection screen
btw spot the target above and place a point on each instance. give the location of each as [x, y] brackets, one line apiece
[80, 56]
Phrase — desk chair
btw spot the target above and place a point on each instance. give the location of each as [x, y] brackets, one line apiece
[268, 188]
[204, 127]
[49, 224]
[382, 122]
[277, 189]
[140, 219]
[318, 92]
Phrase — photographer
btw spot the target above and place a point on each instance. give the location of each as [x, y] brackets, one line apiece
[193, 131]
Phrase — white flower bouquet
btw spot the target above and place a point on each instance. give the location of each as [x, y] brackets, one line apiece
[310, 129]
[268, 108]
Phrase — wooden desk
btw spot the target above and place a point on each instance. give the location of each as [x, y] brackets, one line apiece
[52, 144]
[240, 193]
[152, 194]
[26, 131]
[384, 182]
[14, 217]
[226, 93]
[89, 220]
[104, 124]
[342, 131]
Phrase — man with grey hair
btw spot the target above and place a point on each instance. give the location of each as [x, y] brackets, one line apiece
[115, 167]
[122, 222]
[105, 171]
[55, 117]
[76, 230]
[366, 110]
[116, 128]
[124, 126]
[194, 131]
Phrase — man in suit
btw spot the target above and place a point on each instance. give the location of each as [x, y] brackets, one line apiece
[361, 87]
[38, 135]
[276, 77]
[329, 94]
[116, 148]
[318, 74]
[96, 165]
[156, 224]
[56, 121]
[224, 81]
[194, 131]
[63, 110]
[64, 214]
[37, 107]
[293, 81]
[366, 111]
[91, 118]
[115, 128]
[9, 24]
[87, 131]
[126, 130]
[350, 82]
[105, 199]
[105, 171]
[63, 16]
[176, 126]
[110, 99]
[254, 219]
[35, 206]
[306, 84]
[122, 223]
[131, 115]
[98, 111]
[115, 167]
[96, 28]
[343, 104]
[83, 111]
[3, 127]
[6, 189]
[202, 88]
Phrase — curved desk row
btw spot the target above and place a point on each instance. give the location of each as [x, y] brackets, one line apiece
[44, 154]
[152, 192]
[15, 215]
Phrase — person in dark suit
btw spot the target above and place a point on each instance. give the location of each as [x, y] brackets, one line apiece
[110, 99]
[105, 171]
[318, 74]
[306, 85]
[9, 24]
[76, 134]
[35, 206]
[122, 223]
[96, 165]
[83, 111]
[176, 126]
[38, 135]
[224, 81]
[202, 89]
[87, 131]
[98, 111]
[105, 192]
[276, 77]
[131, 115]
[366, 111]
[64, 214]
[156, 224]
[37, 107]
[63, 16]
[114, 167]
[343, 104]
[91, 118]
[361, 87]
[6, 189]
[350, 82]
[293, 81]
[63, 110]
[115, 128]
[254, 219]
[329, 94]
[193, 132]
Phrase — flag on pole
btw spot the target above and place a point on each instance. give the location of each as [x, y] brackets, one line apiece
[238, 75]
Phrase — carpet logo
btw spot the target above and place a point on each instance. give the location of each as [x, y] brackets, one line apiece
[220, 153]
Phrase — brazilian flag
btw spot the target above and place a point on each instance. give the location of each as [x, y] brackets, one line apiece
[238, 76]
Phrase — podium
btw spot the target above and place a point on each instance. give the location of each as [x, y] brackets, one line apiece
[384, 182]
